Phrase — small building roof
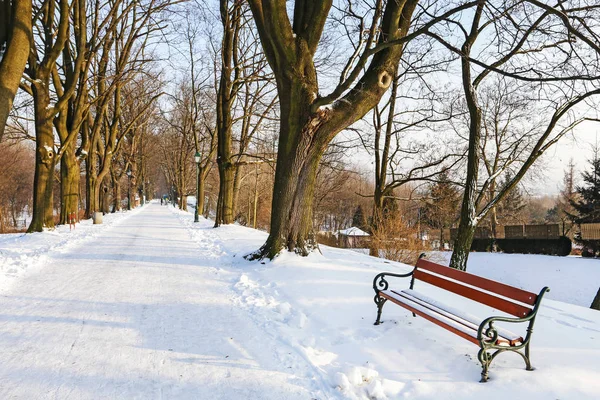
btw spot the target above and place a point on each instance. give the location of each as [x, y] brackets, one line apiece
[354, 231]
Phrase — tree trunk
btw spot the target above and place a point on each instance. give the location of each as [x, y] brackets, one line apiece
[69, 183]
[183, 203]
[468, 212]
[596, 303]
[225, 98]
[116, 194]
[291, 212]
[15, 31]
[44, 161]
[237, 185]
[91, 176]
[105, 202]
[377, 216]
[200, 199]
[225, 200]
[2, 228]
[255, 205]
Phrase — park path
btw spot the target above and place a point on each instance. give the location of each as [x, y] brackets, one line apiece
[139, 312]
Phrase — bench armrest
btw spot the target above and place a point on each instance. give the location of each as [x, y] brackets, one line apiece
[380, 283]
[487, 332]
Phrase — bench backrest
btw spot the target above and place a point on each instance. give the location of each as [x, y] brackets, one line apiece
[498, 295]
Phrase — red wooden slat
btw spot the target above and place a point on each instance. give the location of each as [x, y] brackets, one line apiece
[486, 284]
[496, 302]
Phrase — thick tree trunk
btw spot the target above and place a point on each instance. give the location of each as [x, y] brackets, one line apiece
[90, 196]
[105, 196]
[15, 31]
[44, 162]
[225, 200]
[462, 245]
[596, 303]
[183, 203]
[297, 163]
[69, 184]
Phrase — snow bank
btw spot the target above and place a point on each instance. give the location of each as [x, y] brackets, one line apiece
[322, 307]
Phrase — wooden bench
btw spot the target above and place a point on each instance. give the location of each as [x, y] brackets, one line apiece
[492, 340]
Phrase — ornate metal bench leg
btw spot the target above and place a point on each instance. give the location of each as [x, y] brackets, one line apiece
[485, 360]
[528, 366]
[380, 302]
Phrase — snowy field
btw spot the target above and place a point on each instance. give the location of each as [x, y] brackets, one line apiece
[157, 307]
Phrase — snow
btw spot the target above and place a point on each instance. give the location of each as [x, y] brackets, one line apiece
[573, 280]
[20, 252]
[156, 306]
[353, 231]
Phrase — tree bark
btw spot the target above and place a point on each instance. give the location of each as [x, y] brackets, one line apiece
[225, 200]
[15, 32]
[596, 303]
[45, 160]
[116, 193]
[377, 216]
[69, 183]
[201, 189]
[91, 196]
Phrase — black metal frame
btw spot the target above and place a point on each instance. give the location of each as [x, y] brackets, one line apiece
[487, 334]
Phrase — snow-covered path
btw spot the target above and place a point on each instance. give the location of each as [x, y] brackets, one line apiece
[139, 312]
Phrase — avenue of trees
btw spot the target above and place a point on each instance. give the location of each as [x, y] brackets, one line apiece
[426, 114]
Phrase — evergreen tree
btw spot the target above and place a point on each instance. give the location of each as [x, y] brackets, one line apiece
[442, 211]
[587, 207]
[568, 194]
[511, 208]
[359, 220]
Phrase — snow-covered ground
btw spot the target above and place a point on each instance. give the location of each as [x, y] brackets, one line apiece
[157, 307]
[20, 252]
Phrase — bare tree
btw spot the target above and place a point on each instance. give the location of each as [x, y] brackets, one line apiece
[51, 35]
[309, 120]
[244, 85]
[522, 52]
[15, 42]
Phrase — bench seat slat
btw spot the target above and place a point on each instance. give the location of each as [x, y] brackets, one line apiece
[467, 319]
[498, 303]
[499, 288]
[446, 322]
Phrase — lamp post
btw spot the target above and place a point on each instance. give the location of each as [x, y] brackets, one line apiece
[128, 189]
[197, 159]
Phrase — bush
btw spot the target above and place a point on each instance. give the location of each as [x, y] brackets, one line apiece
[557, 247]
